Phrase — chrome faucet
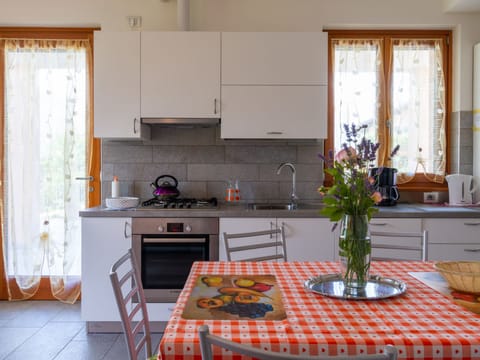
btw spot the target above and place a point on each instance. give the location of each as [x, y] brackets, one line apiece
[293, 195]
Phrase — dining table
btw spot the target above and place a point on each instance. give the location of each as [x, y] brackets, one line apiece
[420, 321]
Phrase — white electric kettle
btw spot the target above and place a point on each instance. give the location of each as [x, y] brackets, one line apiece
[460, 189]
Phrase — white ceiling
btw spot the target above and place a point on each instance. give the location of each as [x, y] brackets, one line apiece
[462, 5]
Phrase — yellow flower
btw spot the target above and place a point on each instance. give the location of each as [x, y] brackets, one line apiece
[376, 197]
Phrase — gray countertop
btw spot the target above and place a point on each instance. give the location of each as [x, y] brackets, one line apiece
[310, 211]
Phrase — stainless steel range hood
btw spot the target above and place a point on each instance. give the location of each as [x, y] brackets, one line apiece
[182, 122]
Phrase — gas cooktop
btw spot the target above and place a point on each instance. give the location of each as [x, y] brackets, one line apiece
[180, 203]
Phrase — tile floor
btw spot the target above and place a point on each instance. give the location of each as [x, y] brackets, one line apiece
[45, 330]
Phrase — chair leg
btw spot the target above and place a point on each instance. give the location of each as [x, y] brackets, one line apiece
[205, 347]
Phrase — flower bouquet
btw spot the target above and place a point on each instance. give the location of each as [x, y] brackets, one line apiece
[351, 199]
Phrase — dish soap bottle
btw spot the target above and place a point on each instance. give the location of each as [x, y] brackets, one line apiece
[237, 191]
[230, 193]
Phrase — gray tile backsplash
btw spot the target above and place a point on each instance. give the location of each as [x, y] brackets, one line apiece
[203, 163]
[461, 142]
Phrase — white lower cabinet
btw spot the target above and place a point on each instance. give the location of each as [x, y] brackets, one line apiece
[396, 226]
[105, 240]
[307, 239]
[453, 239]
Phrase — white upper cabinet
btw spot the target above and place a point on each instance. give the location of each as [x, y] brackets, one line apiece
[274, 58]
[274, 85]
[117, 85]
[180, 74]
[274, 112]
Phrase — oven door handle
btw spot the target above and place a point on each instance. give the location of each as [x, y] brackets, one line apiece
[177, 240]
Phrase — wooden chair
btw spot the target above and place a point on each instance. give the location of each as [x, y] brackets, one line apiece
[127, 287]
[421, 248]
[207, 340]
[271, 241]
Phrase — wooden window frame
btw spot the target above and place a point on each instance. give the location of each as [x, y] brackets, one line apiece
[419, 183]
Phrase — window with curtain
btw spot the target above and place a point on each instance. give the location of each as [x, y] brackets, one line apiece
[47, 144]
[397, 83]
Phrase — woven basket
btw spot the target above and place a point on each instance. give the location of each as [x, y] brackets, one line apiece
[461, 275]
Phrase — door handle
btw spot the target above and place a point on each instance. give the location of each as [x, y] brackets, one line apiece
[135, 120]
[87, 178]
[125, 230]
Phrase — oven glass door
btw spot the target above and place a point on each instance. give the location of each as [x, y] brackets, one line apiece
[166, 261]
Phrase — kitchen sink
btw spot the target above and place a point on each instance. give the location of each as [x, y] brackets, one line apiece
[282, 206]
[271, 207]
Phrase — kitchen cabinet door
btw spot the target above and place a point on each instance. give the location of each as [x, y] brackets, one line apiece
[397, 226]
[467, 252]
[180, 74]
[274, 85]
[274, 112]
[274, 58]
[242, 225]
[453, 239]
[117, 86]
[104, 241]
[308, 239]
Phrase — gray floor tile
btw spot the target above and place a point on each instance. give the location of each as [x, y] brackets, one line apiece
[36, 316]
[94, 348]
[119, 349]
[10, 309]
[11, 338]
[69, 313]
[51, 330]
[48, 342]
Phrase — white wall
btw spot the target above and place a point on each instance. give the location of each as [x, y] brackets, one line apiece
[263, 15]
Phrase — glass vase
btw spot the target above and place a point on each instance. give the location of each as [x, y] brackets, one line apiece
[355, 253]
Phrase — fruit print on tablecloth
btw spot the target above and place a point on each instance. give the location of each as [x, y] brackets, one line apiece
[235, 297]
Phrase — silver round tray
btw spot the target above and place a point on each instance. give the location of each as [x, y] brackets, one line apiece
[377, 287]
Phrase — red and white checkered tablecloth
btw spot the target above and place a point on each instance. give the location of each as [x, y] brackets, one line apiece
[422, 323]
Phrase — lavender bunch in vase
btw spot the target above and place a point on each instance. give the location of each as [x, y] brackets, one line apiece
[351, 200]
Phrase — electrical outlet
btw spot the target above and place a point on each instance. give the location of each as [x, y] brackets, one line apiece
[135, 22]
[430, 197]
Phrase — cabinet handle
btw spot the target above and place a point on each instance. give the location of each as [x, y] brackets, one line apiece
[274, 132]
[471, 224]
[471, 250]
[125, 234]
[215, 106]
[88, 178]
[378, 224]
[135, 125]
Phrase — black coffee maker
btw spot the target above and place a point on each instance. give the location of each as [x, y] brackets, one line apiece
[386, 184]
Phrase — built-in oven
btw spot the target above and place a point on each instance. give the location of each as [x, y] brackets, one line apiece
[165, 249]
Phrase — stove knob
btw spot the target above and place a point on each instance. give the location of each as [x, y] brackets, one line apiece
[188, 228]
[160, 228]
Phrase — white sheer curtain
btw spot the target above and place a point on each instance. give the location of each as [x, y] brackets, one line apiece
[400, 94]
[418, 109]
[45, 130]
[359, 87]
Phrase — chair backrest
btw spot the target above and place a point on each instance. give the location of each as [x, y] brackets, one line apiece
[127, 287]
[270, 243]
[207, 340]
[419, 247]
